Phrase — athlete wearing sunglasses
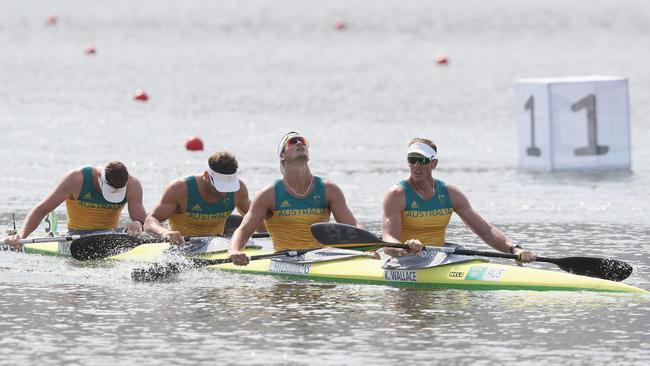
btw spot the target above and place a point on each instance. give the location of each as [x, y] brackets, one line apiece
[292, 203]
[417, 210]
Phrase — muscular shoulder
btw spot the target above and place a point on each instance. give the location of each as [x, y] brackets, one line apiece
[395, 190]
[457, 197]
[332, 190]
[134, 182]
[266, 196]
[176, 190]
[242, 192]
[72, 181]
[394, 199]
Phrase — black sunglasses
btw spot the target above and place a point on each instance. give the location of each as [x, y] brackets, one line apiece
[418, 159]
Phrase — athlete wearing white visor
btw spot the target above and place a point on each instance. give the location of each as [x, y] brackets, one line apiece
[198, 205]
[417, 210]
[94, 197]
[223, 182]
[110, 193]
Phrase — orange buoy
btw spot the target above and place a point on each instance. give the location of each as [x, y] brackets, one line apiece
[141, 95]
[90, 49]
[442, 60]
[339, 24]
[194, 144]
[52, 19]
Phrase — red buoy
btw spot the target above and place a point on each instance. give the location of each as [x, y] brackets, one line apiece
[442, 60]
[90, 49]
[141, 95]
[194, 144]
[52, 19]
[339, 24]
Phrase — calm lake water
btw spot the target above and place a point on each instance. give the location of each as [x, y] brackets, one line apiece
[240, 74]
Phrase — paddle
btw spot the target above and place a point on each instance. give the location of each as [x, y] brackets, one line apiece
[105, 245]
[159, 271]
[46, 239]
[347, 236]
[100, 246]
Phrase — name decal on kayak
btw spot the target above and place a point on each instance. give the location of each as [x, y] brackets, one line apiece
[398, 275]
[478, 273]
[288, 267]
[64, 248]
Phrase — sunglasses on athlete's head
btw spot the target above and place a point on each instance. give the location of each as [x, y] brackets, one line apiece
[418, 159]
[294, 141]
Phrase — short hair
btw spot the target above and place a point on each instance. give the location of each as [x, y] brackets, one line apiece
[424, 141]
[223, 162]
[116, 174]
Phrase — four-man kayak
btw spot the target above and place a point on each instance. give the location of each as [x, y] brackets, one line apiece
[471, 274]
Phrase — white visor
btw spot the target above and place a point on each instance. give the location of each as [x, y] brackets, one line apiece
[423, 149]
[110, 193]
[223, 182]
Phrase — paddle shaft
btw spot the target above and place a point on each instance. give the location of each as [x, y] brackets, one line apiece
[210, 262]
[46, 239]
[469, 252]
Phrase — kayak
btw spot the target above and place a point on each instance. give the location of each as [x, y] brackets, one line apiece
[474, 273]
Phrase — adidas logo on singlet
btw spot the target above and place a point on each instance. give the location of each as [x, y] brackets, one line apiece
[414, 205]
[196, 207]
[285, 204]
[88, 196]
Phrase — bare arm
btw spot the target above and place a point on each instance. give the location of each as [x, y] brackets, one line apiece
[134, 199]
[391, 224]
[489, 233]
[262, 204]
[169, 204]
[68, 186]
[338, 205]
[486, 231]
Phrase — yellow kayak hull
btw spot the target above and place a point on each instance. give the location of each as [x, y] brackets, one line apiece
[474, 274]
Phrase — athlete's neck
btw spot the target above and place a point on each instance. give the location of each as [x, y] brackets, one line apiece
[423, 186]
[298, 178]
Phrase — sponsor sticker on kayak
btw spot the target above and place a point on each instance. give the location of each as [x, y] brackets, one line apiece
[478, 273]
[400, 275]
[64, 248]
[290, 268]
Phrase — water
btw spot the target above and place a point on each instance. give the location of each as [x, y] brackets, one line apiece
[242, 73]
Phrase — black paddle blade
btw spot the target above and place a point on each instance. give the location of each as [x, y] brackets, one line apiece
[102, 246]
[232, 223]
[335, 234]
[155, 272]
[609, 269]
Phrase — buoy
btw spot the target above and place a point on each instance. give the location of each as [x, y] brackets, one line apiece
[52, 19]
[442, 60]
[339, 24]
[141, 95]
[90, 49]
[194, 144]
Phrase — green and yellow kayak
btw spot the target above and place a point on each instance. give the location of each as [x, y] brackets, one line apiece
[472, 274]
